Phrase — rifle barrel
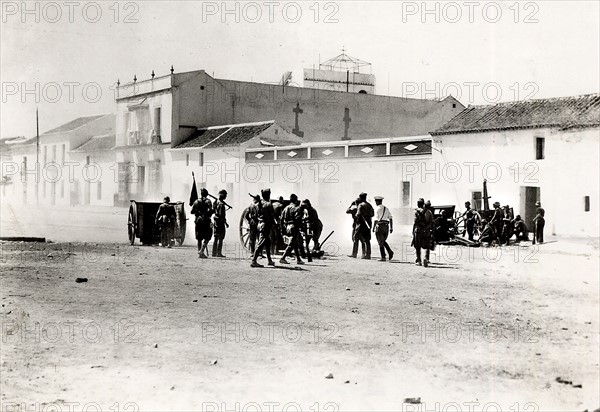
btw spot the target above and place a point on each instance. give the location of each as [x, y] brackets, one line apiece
[225, 203]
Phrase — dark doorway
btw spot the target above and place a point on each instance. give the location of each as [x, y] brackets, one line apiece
[528, 196]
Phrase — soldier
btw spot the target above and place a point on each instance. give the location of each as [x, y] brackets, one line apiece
[352, 211]
[422, 232]
[520, 229]
[496, 222]
[312, 227]
[250, 215]
[276, 238]
[539, 222]
[470, 219]
[382, 227]
[220, 223]
[364, 216]
[165, 218]
[291, 221]
[202, 209]
[507, 225]
[266, 220]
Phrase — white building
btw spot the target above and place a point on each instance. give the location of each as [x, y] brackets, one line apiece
[545, 150]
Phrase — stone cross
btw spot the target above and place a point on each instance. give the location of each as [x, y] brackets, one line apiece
[347, 121]
[296, 130]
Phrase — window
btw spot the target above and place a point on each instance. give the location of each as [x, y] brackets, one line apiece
[405, 194]
[157, 121]
[99, 190]
[201, 159]
[187, 159]
[586, 201]
[540, 143]
[476, 200]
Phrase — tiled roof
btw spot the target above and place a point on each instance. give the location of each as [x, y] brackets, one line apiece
[221, 136]
[96, 143]
[74, 124]
[562, 112]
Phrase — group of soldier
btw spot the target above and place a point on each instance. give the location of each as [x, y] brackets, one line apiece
[296, 224]
[503, 225]
[272, 222]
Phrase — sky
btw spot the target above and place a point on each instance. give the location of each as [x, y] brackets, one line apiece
[64, 58]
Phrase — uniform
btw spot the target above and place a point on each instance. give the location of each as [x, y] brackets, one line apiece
[352, 211]
[251, 218]
[423, 233]
[383, 227]
[165, 219]
[539, 222]
[291, 221]
[266, 219]
[364, 216]
[220, 227]
[202, 209]
[497, 222]
[470, 219]
[313, 227]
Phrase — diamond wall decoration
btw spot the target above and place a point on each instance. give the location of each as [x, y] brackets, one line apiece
[292, 154]
[327, 152]
[410, 147]
[366, 150]
[259, 156]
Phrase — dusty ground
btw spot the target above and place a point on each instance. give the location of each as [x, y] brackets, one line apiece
[476, 331]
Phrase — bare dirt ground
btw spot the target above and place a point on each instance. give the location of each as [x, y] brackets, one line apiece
[512, 329]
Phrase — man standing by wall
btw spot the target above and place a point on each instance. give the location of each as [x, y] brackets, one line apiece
[220, 222]
[383, 226]
[539, 222]
[291, 221]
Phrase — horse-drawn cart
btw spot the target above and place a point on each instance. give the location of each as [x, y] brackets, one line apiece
[141, 222]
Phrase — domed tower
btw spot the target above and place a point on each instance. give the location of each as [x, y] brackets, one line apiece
[341, 73]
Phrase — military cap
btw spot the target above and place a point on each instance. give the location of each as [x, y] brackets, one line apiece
[267, 190]
[222, 192]
[306, 202]
[497, 204]
[378, 197]
[167, 199]
[203, 192]
[293, 198]
[468, 203]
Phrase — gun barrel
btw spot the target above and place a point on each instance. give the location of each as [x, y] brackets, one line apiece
[225, 203]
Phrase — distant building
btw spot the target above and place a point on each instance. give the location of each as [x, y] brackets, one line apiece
[530, 150]
[57, 179]
[342, 74]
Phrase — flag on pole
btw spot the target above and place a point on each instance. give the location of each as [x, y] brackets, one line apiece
[194, 194]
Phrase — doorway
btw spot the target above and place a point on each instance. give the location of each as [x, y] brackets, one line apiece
[528, 196]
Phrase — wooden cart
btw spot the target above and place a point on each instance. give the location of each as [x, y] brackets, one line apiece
[141, 222]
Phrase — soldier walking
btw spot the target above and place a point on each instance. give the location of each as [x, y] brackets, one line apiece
[202, 209]
[382, 227]
[266, 220]
[497, 222]
[220, 223]
[165, 219]
[251, 217]
[291, 221]
[422, 232]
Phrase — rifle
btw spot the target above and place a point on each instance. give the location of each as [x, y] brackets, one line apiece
[323, 242]
[225, 203]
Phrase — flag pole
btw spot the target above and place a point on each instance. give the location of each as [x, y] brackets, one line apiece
[37, 156]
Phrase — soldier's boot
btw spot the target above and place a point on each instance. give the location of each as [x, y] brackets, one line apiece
[382, 251]
[418, 260]
[426, 260]
[389, 250]
[215, 247]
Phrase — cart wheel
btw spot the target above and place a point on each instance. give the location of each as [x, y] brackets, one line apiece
[132, 223]
[244, 231]
[460, 226]
[182, 227]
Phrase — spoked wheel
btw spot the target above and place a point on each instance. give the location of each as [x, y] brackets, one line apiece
[132, 223]
[244, 231]
[182, 227]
